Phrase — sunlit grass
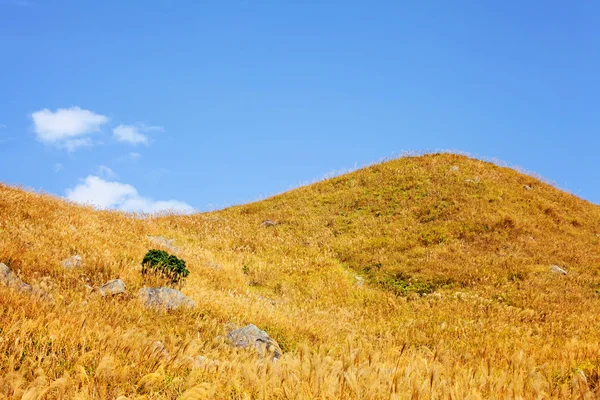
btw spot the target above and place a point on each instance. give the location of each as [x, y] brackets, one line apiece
[454, 296]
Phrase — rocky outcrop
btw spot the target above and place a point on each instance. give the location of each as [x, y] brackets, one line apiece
[558, 270]
[110, 288]
[11, 280]
[268, 223]
[165, 298]
[250, 337]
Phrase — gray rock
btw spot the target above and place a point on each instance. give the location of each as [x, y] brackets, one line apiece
[454, 168]
[162, 241]
[164, 297]
[116, 286]
[72, 262]
[251, 337]
[527, 187]
[268, 223]
[558, 270]
[10, 279]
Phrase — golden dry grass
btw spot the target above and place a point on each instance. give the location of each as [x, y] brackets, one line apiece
[457, 302]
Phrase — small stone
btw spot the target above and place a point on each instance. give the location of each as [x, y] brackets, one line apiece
[268, 223]
[72, 262]
[11, 280]
[360, 281]
[164, 297]
[527, 187]
[454, 168]
[252, 337]
[558, 270]
[116, 286]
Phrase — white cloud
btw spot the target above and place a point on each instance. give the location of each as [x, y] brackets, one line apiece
[58, 167]
[121, 196]
[131, 134]
[135, 156]
[67, 127]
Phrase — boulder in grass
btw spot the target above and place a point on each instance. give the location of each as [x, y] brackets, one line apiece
[250, 337]
[11, 280]
[268, 223]
[558, 270]
[110, 288]
[165, 298]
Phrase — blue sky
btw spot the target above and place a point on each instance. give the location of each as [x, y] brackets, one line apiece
[196, 104]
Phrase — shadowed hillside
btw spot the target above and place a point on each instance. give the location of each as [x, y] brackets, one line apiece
[419, 277]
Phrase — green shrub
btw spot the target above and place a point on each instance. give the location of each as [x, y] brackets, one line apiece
[163, 263]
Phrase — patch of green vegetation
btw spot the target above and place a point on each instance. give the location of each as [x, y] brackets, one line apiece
[403, 285]
[165, 264]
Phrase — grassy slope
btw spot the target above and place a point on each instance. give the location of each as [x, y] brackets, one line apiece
[458, 299]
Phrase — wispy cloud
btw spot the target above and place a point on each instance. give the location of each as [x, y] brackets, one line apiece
[105, 171]
[135, 134]
[2, 126]
[58, 167]
[121, 196]
[67, 128]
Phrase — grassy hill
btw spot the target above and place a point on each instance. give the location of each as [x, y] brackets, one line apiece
[421, 277]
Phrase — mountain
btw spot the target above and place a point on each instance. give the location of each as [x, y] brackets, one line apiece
[433, 276]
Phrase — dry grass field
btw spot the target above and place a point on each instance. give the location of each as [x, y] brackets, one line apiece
[422, 277]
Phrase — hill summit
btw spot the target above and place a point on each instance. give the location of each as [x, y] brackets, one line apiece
[433, 276]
